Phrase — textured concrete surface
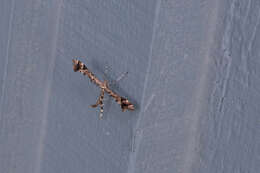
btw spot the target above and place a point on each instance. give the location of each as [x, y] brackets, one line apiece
[193, 73]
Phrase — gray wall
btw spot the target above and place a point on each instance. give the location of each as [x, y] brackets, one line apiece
[193, 73]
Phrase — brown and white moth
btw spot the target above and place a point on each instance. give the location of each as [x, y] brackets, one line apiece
[123, 102]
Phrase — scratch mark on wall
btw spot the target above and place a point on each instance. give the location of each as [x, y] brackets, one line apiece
[133, 155]
[248, 9]
[247, 51]
[7, 57]
[150, 99]
[227, 59]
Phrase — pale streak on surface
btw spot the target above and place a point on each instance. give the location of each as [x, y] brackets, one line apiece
[7, 57]
[196, 111]
[43, 131]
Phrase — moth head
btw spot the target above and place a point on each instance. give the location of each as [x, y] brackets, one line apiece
[76, 65]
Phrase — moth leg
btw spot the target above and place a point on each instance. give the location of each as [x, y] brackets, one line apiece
[122, 76]
[101, 103]
[98, 101]
[106, 72]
